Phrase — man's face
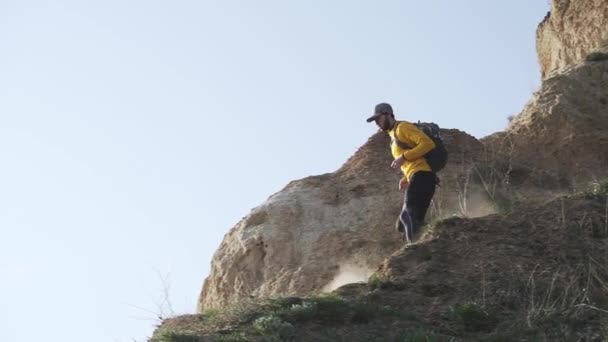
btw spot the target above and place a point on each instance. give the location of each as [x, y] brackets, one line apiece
[383, 121]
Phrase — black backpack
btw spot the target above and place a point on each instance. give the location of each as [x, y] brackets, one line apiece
[437, 157]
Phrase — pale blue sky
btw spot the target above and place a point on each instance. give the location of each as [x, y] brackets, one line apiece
[135, 134]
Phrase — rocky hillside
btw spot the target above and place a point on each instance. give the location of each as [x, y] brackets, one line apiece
[536, 275]
[516, 249]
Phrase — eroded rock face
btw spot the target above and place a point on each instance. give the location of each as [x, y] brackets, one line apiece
[564, 128]
[572, 30]
[317, 228]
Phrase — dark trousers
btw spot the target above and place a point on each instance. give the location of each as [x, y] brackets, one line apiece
[416, 203]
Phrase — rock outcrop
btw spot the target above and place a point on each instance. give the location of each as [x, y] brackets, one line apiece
[319, 228]
[572, 30]
[563, 129]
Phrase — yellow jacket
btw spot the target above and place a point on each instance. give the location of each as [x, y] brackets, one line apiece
[421, 144]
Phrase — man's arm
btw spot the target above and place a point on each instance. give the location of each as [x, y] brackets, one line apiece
[423, 143]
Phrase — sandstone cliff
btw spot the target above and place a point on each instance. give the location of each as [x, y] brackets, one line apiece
[570, 32]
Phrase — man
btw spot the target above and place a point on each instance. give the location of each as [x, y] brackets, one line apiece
[409, 144]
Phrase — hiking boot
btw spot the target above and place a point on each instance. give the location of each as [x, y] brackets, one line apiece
[401, 230]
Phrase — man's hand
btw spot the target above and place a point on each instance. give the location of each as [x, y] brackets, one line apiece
[403, 183]
[398, 162]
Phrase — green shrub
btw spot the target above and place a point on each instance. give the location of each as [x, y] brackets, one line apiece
[284, 302]
[211, 313]
[331, 308]
[300, 312]
[377, 282]
[419, 335]
[273, 327]
[473, 317]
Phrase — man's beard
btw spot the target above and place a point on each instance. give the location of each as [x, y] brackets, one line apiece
[385, 126]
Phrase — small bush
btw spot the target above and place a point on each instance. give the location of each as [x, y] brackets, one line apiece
[246, 311]
[377, 282]
[473, 317]
[300, 312]
[273, 327]
[419, 335]
[331, 308]
[211, 313]
[284, 302]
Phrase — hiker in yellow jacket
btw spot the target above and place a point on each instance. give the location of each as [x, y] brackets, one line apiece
[408, 146]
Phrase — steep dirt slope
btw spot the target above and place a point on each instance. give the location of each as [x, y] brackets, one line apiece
[536, 275]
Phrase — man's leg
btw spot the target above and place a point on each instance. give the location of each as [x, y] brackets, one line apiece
[418, 198]
[404, 221]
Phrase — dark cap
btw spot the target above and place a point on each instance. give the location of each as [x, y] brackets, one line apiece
[381, 109]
